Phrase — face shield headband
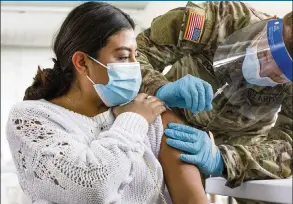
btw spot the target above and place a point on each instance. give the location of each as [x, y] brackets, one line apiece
[277, 47]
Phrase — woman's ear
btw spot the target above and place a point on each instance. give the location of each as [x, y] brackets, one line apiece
[80, 61]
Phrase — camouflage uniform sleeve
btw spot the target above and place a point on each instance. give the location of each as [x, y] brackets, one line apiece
[157, 49]
[167, 40]
[270, 160]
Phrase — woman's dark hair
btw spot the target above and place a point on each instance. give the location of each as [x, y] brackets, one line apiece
[87, 29]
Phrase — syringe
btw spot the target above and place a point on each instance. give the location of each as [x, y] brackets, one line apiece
[214, 147]
[220, 90]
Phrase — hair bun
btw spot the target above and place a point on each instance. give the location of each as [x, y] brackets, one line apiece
[46, 84]
[35, 91]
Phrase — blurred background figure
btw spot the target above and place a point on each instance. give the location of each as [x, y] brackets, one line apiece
[27, 31]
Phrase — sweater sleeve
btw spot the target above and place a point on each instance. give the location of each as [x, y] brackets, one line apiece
[155, 134]
[55, 166]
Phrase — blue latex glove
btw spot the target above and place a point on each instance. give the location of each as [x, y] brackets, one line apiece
[188, 92]
[199, 146]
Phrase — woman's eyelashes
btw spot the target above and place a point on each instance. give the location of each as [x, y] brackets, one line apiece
[126, 58]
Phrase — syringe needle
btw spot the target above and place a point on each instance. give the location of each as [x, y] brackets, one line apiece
[220, 90]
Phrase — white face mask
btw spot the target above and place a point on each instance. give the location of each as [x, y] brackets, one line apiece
[251, 69]
[124, 83]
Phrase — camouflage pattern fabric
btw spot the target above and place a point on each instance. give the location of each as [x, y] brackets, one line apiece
[252, 148]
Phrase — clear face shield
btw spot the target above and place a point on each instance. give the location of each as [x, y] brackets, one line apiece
[262, 52]
[254, 56]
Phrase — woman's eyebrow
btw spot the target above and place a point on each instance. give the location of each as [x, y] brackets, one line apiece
[123, 48]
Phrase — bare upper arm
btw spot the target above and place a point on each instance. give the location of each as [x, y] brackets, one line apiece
[183, 180]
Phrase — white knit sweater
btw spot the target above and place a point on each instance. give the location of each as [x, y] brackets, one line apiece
[64, 157]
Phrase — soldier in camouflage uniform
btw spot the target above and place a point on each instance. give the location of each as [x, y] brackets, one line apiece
[252, 148]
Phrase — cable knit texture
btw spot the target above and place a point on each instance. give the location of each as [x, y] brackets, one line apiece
[64, 157]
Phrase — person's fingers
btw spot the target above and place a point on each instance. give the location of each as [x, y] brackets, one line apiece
[140, 97]
[197, 87]
[152, 99]
[191, 159]
[209, 107]
[178, 135]
[194, 100]
[183, 128]
[183, 146]
[158, 110]
[186, 95]
[156, 103]
[209, 94]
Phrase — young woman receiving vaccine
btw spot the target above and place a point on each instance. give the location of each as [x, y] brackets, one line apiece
[84, 135]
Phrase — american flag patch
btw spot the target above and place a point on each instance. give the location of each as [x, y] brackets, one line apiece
[194, 27]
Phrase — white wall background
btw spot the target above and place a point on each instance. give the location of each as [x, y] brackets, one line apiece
[18, 66]
[27, 30]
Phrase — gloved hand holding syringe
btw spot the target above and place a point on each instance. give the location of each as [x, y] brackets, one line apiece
[218, 92]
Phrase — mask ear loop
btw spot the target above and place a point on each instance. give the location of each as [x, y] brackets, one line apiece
[96, 62]
[90, 80]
